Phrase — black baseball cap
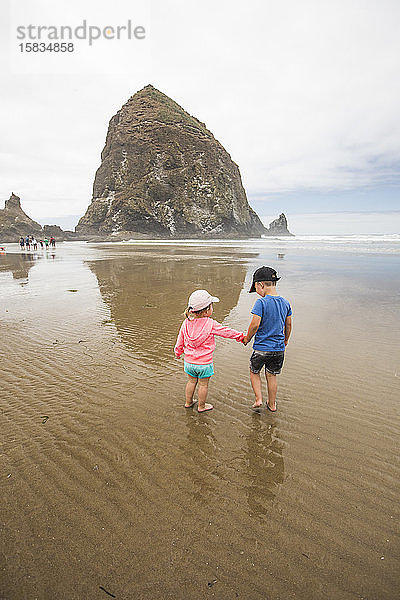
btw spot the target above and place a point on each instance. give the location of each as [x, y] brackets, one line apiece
[263, 274]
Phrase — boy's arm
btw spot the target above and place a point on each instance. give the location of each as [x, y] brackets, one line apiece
[252, 330]
[288, 329]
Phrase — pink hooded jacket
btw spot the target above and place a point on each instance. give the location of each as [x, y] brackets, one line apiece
[196, 339]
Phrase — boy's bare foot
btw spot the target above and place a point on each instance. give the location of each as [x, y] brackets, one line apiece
[257, 404]
[206, 407]
[273, 408]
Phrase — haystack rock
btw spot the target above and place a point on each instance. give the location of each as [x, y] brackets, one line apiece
[164, 174]
[14, 223]
[279, 226]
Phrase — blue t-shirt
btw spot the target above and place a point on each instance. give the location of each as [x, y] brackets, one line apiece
[270, 336]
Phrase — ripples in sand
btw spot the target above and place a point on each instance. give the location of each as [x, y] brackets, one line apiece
[120, 487]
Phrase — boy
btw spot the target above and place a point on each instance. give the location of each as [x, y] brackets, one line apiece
[271, 325]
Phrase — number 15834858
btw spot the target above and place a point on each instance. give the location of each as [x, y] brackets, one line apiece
[42, 47]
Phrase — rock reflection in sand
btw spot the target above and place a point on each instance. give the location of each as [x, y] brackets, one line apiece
[20, 264]
[147, 293]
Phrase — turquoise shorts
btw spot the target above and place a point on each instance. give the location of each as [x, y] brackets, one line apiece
[199, 371]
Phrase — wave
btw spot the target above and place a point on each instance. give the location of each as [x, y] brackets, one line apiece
[385, 244]
[365, 244]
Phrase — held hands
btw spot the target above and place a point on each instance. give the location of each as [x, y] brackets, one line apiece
[245, 341]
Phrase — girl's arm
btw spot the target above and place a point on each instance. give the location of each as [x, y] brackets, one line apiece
[179, 343]
[226, 332]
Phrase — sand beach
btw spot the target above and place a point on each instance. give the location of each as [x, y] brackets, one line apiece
[112, 489]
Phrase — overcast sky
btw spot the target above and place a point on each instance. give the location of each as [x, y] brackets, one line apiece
[304, 95]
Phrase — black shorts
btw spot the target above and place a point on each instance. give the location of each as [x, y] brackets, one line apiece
[272, 361]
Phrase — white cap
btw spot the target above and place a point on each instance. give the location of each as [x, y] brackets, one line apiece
[201, 299]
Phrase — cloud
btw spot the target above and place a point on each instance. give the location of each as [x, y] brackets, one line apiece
[304, 96]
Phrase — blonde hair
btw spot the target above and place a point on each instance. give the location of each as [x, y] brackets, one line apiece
[198, 313]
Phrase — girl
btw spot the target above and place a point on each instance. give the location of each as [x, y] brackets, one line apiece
[196, 342]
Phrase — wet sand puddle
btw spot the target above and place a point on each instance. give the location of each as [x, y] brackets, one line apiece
[111, 487]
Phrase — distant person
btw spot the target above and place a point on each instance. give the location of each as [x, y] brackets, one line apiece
[21, 243]
[41, 243]
[52, 242]
[34, 243]
[196, 341]
[46, 243]
[271, 325]
[27, 243]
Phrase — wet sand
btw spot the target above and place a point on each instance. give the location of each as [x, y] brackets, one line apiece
[112, 486]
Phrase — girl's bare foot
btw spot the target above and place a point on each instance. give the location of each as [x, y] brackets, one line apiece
[190, 405]
[206, 407]
[257, 404]
[272, 408]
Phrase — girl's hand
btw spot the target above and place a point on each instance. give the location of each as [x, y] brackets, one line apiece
[245, 341]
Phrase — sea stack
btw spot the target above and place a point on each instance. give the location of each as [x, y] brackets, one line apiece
[279, 226]
[164, 174]
[14, 223]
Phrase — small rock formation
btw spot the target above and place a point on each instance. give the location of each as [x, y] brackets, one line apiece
[164, 174]
[53, 231]
[14, 223]
[58, 233]
[279, 226]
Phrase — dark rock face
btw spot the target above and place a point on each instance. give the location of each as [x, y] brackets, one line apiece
[164, 174]
[279, 226]
[14, 223]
